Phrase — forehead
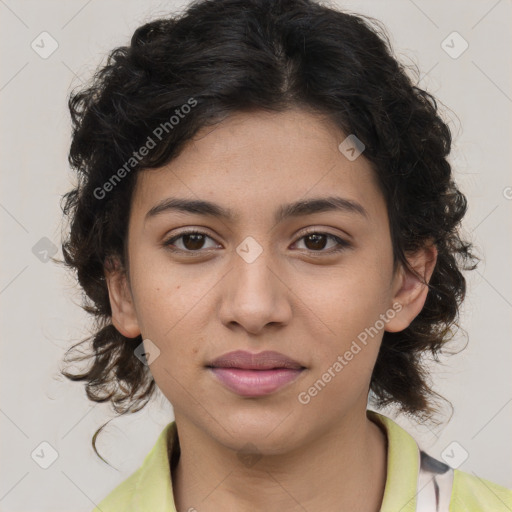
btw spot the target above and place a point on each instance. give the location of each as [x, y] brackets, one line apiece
[258, 159]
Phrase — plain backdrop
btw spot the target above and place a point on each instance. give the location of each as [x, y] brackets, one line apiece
[40, 313]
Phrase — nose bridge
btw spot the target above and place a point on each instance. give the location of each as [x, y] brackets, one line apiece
[254, 277]
[255, 295]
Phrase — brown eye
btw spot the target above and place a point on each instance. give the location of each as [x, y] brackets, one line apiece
[192, 241]
[317, 241]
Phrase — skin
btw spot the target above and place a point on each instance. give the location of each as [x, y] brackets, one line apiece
[297, 298]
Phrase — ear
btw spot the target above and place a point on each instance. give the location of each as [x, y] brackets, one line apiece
[410, 290]
[121, 301]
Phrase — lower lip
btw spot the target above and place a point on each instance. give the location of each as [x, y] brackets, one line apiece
[255, 382]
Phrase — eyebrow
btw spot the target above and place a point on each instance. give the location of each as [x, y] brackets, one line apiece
[285, 211]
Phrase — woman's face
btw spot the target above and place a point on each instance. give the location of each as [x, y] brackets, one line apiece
[256, 281]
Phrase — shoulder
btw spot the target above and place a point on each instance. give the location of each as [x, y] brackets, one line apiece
[427, 484]
[149, 488]
[122, 496]
[442, 488]
[471, 493]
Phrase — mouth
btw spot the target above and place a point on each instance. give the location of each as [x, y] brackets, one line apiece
[253, 375]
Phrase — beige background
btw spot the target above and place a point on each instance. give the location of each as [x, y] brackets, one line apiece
[40, 316]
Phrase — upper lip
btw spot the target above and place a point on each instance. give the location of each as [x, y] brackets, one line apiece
[266, 360]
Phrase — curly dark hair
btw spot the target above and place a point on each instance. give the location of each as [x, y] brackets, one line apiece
[226, 56]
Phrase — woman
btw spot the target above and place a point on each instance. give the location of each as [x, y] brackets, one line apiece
[266, 227]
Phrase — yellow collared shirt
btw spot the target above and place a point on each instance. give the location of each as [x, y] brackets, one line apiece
[415, 482]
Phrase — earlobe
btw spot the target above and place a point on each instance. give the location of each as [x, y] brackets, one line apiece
[410, 289]
[124, 317]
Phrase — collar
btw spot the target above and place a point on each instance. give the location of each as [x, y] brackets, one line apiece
[403, 466]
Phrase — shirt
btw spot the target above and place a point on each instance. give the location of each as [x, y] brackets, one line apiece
[415, 482]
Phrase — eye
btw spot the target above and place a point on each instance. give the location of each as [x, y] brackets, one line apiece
[192, 241]
[315, 241]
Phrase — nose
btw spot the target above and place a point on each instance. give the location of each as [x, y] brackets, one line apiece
[254, 295]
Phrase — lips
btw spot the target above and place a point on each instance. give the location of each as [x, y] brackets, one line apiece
[253, 375]
[267, 360]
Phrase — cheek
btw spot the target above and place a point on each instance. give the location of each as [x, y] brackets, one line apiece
[172, 310]
[346, 299]
[349, 302]
[162, 292]
[346, 348]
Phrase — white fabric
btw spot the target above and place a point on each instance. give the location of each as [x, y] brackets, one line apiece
[435, 482]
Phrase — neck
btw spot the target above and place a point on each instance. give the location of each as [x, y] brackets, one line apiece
[341, 469]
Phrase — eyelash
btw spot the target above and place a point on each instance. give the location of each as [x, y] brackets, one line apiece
[342, 244]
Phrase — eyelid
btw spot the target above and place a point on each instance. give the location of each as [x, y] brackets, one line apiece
[322, 231]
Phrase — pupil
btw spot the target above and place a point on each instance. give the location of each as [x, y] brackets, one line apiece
[315, 238]
[197, 241]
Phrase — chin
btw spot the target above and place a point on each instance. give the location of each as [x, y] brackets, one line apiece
[272, 433]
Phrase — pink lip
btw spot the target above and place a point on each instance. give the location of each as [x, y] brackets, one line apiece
[266, 360]
[255, 374]
[255, 382]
